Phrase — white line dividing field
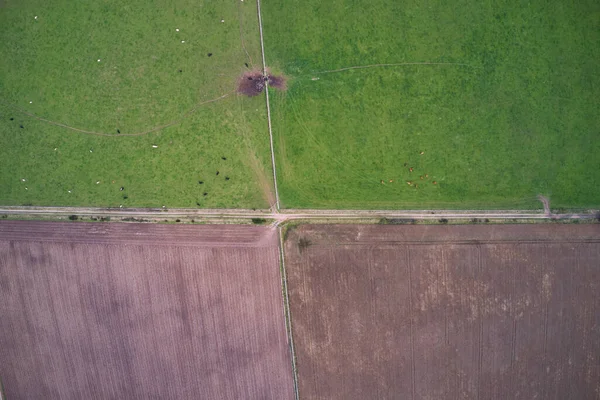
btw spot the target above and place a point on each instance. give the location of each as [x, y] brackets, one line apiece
[262, 49]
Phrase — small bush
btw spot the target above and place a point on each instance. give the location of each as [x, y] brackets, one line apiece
[73, 217]
[401, 221]
[303, 243]
[443, 221]
[132, 219]
[259, 221]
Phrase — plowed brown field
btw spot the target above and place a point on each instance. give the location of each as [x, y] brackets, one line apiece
[138, 311]
[446, 312]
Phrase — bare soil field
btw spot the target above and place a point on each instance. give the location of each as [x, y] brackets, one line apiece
[445, 312]
[139, 311]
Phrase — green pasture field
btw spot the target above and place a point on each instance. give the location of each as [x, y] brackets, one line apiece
[146, 78]
[505, 108]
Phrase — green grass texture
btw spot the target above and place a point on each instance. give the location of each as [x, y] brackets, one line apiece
[501, 98]
[132, 66]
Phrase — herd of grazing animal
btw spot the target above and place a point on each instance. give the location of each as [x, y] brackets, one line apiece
[122, 188]
[410, 170]
[125, 197]
[217, 173]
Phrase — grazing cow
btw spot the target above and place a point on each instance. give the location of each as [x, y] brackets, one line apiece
[223, 158]
[12, 119]
[217, 172]
[426, 175]
[21, 126]
[226, 178]
[434, 182]
[204, 194]
[421, 177]
[411, 169]
[118, 131]
[122, 188]
[210, 54]
[200, 182]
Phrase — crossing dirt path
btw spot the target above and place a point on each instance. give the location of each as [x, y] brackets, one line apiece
[282, 216]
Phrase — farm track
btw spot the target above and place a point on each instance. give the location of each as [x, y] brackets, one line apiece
[290, 215]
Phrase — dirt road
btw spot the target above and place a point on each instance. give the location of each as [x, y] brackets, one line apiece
[286, 215]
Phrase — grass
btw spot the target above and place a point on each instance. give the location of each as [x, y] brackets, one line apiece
[146, 77]
[516, 116]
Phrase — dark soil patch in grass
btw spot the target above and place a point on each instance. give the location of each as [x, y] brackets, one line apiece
[279, 82]
[252, 83]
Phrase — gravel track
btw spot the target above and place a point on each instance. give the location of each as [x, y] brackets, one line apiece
[289, 215]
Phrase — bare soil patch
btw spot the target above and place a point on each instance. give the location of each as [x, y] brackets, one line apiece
[252, 83]
[445, 312]
[139, 311]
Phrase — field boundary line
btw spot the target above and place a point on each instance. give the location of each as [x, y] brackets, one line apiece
[262, 50]
[412, 332]
[286, 310]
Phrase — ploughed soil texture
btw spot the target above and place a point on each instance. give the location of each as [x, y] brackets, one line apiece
[445, 312]
[139, 311]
